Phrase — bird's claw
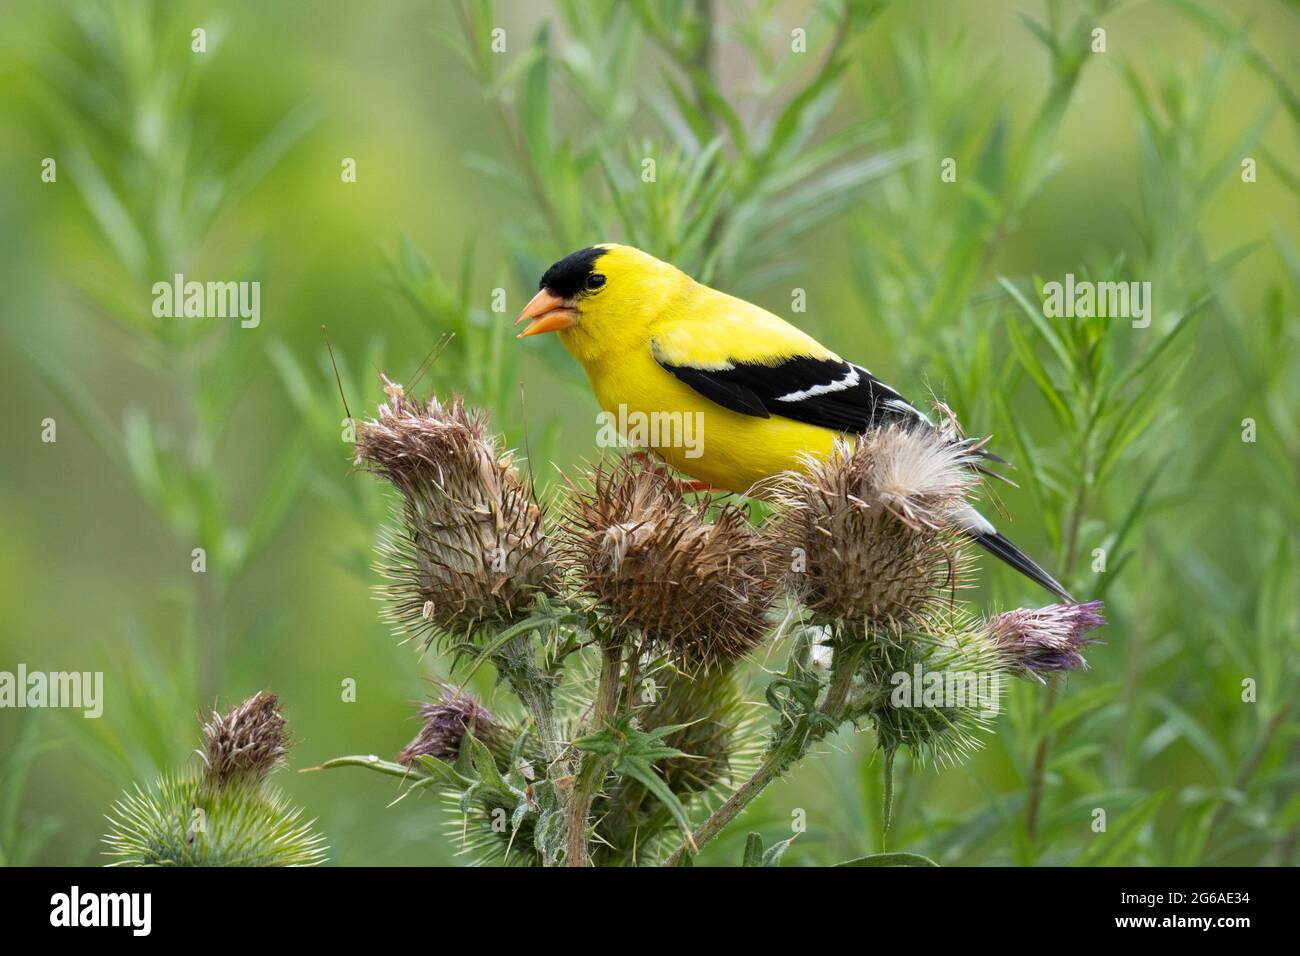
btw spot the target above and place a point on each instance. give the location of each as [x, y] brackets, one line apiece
[685, 486]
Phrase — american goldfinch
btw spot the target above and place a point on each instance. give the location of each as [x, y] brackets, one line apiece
[654, 342]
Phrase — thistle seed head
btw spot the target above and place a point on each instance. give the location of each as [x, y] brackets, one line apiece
[445, 724]
[1042, 640]
[869, 533]
[470, 548]
[697, 589]
[249, 741]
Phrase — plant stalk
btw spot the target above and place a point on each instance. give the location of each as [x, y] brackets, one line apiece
[783, 753]
[843, 668]
[887, 812]
[594, 767]
[518, 665]
[1069, 550]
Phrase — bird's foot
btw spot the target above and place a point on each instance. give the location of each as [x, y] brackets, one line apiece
[685, 486]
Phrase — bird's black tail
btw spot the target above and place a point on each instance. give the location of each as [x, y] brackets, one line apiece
[997, 545]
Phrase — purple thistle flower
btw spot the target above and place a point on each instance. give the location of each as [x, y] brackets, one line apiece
[248, 741]
[1047, 639]
[445, 725]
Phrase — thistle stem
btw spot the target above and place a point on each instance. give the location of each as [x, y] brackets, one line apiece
[611, 674]
[887, 812]
[779, 758]
[594, 767]
[517, 664]
[1069, 551]
[843, 667]
[1038, 769]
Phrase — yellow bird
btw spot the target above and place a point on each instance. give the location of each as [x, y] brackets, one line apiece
[657, 344]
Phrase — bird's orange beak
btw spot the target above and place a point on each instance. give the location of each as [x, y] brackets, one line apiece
[549, 313]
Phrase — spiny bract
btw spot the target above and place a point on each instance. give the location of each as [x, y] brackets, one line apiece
[182, 821]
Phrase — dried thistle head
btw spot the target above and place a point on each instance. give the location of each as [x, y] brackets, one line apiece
[248, 742]
[446, 723]
[696, 588]
[1039, 641]
[471, 547]
[870, 531]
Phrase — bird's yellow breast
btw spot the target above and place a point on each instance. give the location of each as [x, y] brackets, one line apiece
[728, 450]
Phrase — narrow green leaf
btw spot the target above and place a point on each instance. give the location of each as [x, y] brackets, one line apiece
[486, 765]
[535, 100]
[772, 855]
[890, 859]
[370, 762]
[644, 774]
[1114, 846]
[1035, 315]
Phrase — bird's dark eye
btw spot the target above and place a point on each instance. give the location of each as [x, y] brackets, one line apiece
[595, 281]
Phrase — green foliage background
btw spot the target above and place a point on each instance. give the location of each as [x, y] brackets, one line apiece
[774, 170]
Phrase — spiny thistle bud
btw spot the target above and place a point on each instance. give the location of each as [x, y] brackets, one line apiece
[933, 690]
[445, 725]
[248, 741]
[471, 548]
[714, 718]
[1042, 640]
[720, 737]
[227, 815]
[697, 589]
[181, 822]
[869, 532]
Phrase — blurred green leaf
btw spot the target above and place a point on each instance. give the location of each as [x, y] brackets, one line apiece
[891, 859]
[1116, 843]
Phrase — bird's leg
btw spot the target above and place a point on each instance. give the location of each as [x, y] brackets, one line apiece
[689, 486]
[684, 485]
[646, 460]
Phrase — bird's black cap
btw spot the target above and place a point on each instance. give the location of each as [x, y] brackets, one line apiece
[568, 277]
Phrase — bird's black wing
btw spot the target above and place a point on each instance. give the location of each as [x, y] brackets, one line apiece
[835, 394]
[826, 392]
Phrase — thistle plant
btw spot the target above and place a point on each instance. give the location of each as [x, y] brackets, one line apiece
[625, 623]
[225, 814]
